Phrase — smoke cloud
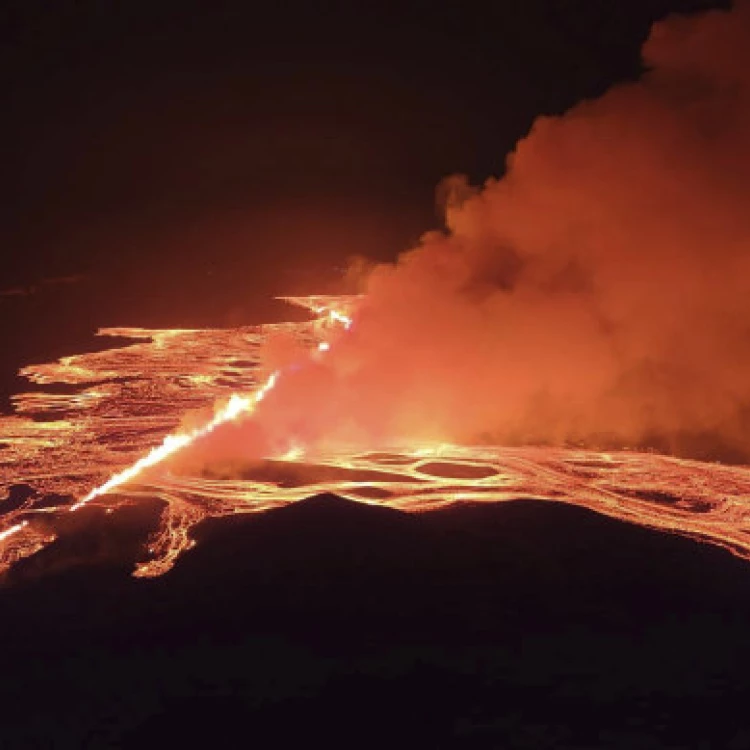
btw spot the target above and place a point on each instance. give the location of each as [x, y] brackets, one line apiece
[597, 293]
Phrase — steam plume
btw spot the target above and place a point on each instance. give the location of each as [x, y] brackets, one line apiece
[598, 292]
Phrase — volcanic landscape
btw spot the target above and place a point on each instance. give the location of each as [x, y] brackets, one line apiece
[92, 416]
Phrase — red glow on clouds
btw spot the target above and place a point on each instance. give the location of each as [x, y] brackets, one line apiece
[598, 292]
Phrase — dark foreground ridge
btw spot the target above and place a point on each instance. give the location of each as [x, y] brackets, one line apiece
[528, 625]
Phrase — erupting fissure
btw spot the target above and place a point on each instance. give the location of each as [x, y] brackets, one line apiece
[237, 406]
[7, 533]
[569, 301]
[129, 395]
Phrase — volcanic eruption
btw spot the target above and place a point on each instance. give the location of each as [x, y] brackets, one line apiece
[592, 302]
[597, 293]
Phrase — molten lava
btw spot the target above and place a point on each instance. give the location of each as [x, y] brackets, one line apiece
[236, 406]
[172, 443]
[120, 422]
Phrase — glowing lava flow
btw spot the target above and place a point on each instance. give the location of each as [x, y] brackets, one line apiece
[236, 406]
[117, 413]
[172, 443]
[7, 533]
[335, 316]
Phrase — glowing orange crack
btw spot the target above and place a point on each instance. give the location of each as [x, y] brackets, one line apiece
[172, 443]
[236, 406]
[12, 530]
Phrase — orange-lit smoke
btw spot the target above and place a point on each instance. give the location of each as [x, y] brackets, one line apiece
[598, 292]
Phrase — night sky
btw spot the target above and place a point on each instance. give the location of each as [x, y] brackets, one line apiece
[191, 159]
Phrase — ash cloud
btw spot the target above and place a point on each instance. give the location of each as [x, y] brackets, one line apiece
[597, 293]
